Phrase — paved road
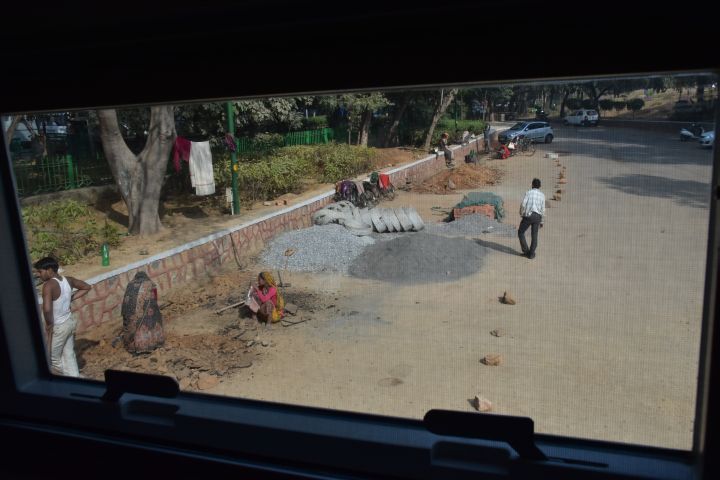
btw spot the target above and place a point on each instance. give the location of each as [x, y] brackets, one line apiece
[603, 342]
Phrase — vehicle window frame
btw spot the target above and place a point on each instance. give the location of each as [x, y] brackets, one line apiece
[258, 432]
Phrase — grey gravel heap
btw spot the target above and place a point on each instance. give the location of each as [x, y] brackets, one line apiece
[320, 248]
[471, 225]
[419, 258]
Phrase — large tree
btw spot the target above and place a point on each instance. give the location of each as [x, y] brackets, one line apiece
[401, 101]
[360, 108]
[444, 98]
[139, 177]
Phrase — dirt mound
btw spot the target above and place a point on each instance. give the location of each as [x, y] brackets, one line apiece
[419, 258]
[464, 177]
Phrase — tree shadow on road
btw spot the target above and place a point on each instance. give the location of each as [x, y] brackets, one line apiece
[498, 247]
[685, 192]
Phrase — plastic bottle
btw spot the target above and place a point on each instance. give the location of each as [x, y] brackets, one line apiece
[105, 252]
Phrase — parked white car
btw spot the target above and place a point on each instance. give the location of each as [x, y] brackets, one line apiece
[707, 139]
[583, 117]
[535, 131]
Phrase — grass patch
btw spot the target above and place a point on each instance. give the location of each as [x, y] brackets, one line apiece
[66, 230]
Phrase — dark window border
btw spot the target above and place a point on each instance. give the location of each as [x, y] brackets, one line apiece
[263, 435]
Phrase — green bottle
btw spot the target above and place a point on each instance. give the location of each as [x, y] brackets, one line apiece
[105, 252]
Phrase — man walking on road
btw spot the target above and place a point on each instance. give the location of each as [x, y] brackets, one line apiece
[532, 210]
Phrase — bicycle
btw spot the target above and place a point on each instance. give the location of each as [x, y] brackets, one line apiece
[526, 147]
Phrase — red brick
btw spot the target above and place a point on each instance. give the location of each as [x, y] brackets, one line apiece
[487, 210]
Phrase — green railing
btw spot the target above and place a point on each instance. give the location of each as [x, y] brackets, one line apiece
[304, 137]
[73, 163]
[58, 172]
[309, 137]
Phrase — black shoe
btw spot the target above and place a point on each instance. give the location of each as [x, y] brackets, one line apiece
[530, 256]
[524, 254]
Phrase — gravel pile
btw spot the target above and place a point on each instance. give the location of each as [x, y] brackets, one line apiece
[419, 258]
[474, 224]
[320, 248]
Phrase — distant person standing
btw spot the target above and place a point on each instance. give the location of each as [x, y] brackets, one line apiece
[60, 323]
[532, 211]
[486, 137]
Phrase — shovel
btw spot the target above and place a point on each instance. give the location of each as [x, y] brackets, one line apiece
[288, 253]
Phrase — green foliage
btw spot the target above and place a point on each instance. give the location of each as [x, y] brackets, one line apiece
[286, 169]
[573, 103]
[313, 123]
[337, 161]
[619, 106]
[355, 104]
[269, 178]
[65, 230]
[448, 125]
[606, 104]
[635, 104]
[268, 141]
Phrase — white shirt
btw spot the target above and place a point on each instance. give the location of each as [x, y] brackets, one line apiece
[61, 306]
[534, 201]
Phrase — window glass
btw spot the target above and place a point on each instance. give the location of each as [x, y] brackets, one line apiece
[319, 251]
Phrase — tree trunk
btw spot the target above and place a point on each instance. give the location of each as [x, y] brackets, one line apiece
[550, 101]
[391, 134]
[365, 128]
[140, 177]
[11, 129]
[562, 105]
[442, 105]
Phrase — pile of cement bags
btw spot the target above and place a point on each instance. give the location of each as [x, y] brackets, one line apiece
[364, 221]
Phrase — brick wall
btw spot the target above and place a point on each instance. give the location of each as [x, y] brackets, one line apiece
[199, 259]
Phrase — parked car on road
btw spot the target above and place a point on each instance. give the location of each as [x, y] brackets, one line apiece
[583, 117]
[535, 131]
[707, 139]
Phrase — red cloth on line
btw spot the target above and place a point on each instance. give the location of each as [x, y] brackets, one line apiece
[384, 180]
[182, 150]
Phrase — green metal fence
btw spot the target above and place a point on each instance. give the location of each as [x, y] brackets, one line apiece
[74, 162]
[309, 137]
[304, 137]
[58, 172]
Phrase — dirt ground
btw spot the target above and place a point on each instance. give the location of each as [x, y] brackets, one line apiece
[463, 177]
[600, 344]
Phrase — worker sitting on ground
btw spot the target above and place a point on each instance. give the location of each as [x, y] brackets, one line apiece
[503, 151]
[270, 304]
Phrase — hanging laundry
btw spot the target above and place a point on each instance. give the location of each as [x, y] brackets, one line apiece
[201, 170]
[230, 142]
[182, 150]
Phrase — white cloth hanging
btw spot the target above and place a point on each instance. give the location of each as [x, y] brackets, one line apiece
[201, 170]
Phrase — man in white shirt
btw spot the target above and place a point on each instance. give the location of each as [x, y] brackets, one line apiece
[57, 295]
[532, 211]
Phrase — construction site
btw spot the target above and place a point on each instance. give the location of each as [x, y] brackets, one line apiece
[440, 309]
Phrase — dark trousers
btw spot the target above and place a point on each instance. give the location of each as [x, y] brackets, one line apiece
[532, 221]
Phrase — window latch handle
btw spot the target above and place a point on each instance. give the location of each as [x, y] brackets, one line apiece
[120, 382]
[518, 432]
